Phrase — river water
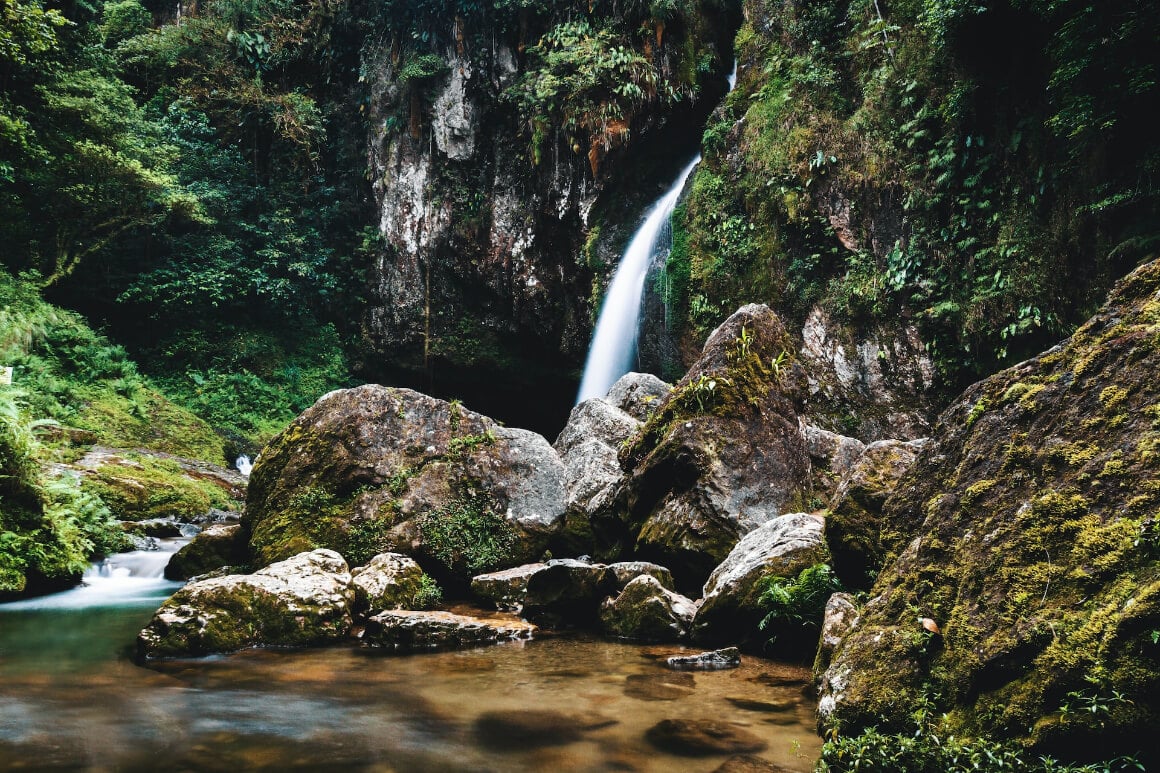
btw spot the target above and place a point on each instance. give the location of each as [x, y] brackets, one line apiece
[72, 698]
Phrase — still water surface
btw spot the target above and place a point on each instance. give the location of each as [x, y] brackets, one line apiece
[71, 698]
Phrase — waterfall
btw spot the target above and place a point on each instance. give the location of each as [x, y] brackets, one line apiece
[614, 343]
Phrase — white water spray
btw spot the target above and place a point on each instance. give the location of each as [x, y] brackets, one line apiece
[614, 344]
[244, 465]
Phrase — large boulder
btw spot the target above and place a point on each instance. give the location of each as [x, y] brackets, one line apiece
[647, 611]
[376, 469]
[506, 588]
[568, 591]
[721, 455]
[303, 600]
[214, 547]
[782, 547]
[853, 523]
[638, 394]
[1026, 533]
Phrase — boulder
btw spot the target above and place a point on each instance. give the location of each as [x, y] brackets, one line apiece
[213, 548]
[407, 630]
[1026, 533]
[376, 469]
[638, 394]
[627, 571]
[853, 523]
[721, 455]
[568, 591]
[389, 581]
[303, 600]
[702, 738]
[713, 660]
[505, 589]
[832, 456]
[780, 548]
[645, 610]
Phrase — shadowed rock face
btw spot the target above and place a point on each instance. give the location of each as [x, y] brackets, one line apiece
[721, 455]
[1027, 532]
[373, 469]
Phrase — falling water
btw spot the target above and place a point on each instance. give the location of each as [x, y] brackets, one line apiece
[614, 344]
[244, 465]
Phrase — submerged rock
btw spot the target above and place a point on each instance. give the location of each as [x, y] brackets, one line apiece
[780, 548]
[303, 600]
[714, 660]
[647, 611]
[659, 686]
[505, 589]
[722, 454]
[376, 469]
[702, 737]
[747, 763]
[212, 548]
[531, 728]
[854, 521]
[389, 581]
[408, 630]
[1026, 533]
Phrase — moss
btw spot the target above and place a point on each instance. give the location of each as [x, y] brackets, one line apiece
[140, 487]
[150, 421]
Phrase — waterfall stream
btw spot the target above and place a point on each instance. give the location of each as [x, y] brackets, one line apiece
[614, 344]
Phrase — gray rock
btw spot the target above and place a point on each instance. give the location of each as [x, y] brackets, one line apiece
[303, 600]
[388, 581]
[406, 630]
[647, 611]
[568, 590]
[638, 394]
[595, 419]
[839, 619]
[713, 660]
[214, 547]
[780, 548]
[627, 571]
[702, 737]
[506, 589]
[832, 456]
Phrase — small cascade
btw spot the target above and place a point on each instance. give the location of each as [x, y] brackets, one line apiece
[244, 465]
[614, 344]
[136, 578]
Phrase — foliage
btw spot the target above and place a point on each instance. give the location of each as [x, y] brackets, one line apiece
[794, 604]
[429, 595]
[468, 534]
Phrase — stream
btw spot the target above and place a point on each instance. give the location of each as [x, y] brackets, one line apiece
[71, 697]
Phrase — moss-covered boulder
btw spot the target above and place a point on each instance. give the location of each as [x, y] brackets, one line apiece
[408, 630]
[1026, 533]
[647, 611]
[388, 581]
[854, 520]
[376, 469]
[214, 547]
[783, 547]
[304, 600]
[721, 455]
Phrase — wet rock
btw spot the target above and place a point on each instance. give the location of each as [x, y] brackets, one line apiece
[1023, 531]
[568, 591]
[780, 548]
[660, 686]
[645, 610]
[376, 469]
[714, 660]
[702, 738]
[389, 581]
[839, 618]
[747, 763]
[854, 522]
[627, 571]
[722, 454]
[160, 528]
[215, 515]
[303, 600]
[212, 548]
[505, 589]
[530, 728]
[408, 630]
[764, 707]
[638, 394]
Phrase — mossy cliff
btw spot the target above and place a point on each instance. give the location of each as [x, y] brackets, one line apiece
[1028, 532]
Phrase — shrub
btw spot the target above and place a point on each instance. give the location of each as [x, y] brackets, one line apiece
[467, 534]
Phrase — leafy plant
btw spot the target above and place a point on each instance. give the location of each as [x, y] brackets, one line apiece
[798, 603]
[468, 535]
[428, 595]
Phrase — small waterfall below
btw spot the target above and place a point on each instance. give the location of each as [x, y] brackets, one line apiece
[614, 343]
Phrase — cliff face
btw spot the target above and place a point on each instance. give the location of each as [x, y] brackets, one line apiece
[491, 147]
